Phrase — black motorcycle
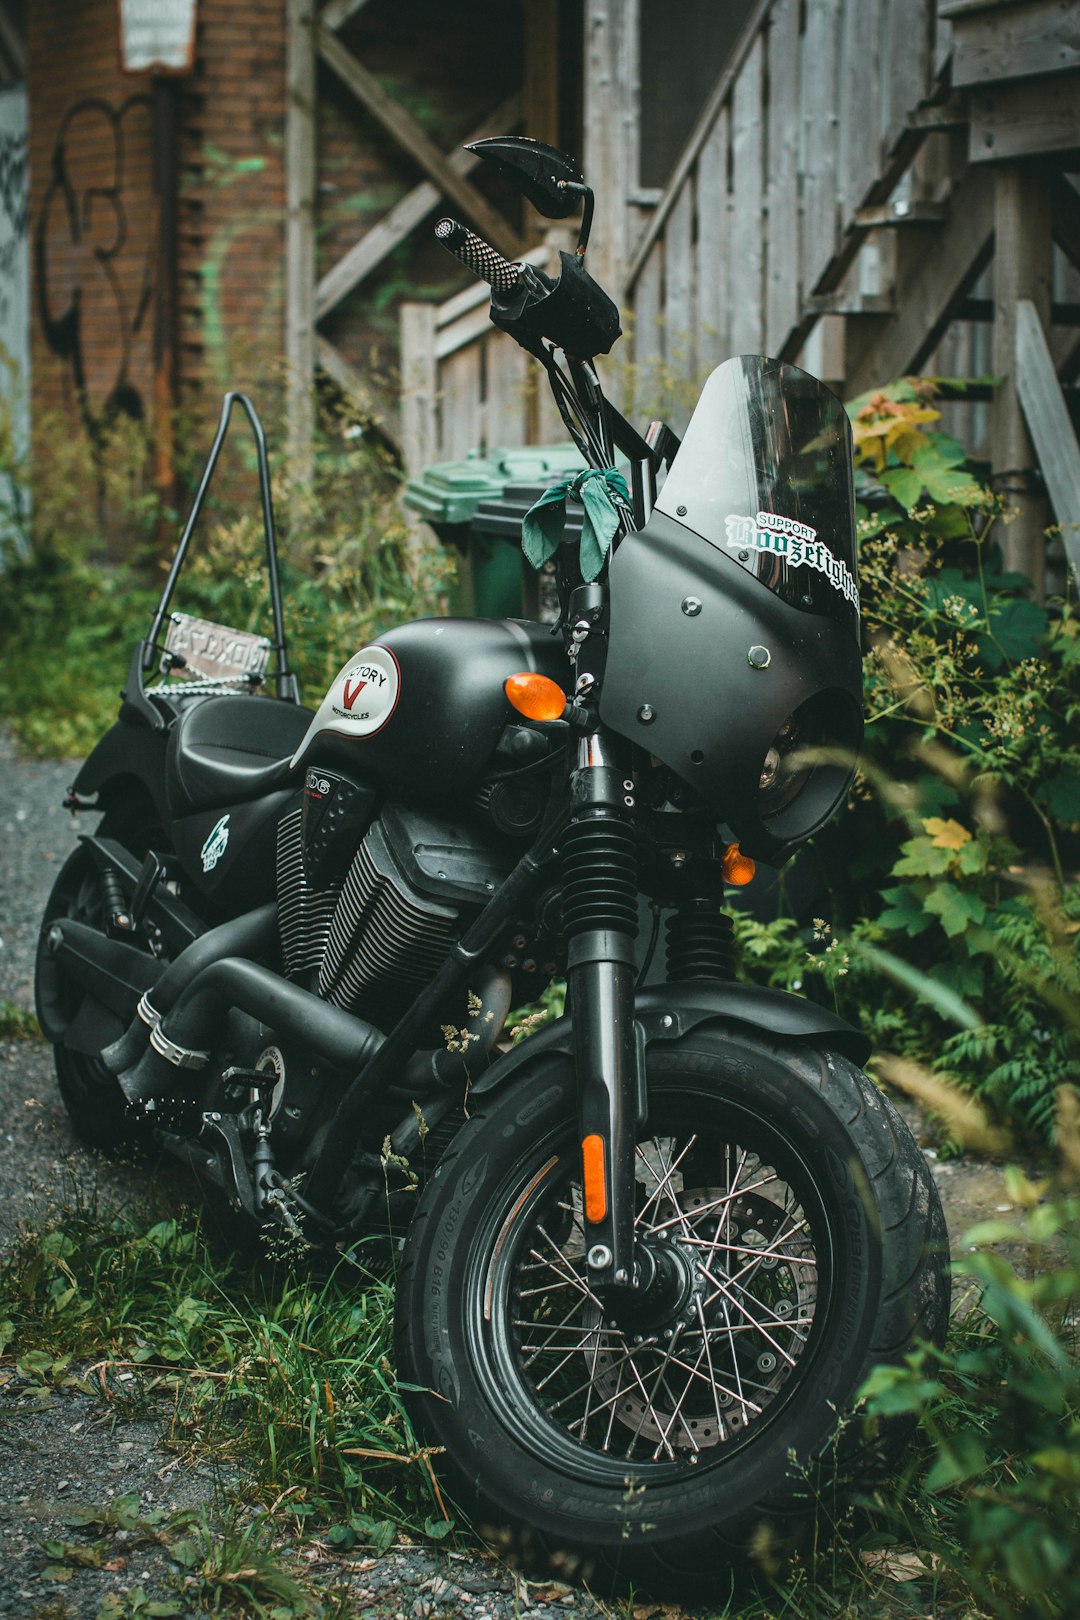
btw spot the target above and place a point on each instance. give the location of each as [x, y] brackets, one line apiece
[650, 1252]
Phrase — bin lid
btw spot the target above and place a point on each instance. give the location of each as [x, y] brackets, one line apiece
[450, 491]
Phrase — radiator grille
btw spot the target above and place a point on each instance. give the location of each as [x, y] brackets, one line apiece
[304, 914]
[383, 936]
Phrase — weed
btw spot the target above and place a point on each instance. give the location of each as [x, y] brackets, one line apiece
[289, 1372]
[17, 1024]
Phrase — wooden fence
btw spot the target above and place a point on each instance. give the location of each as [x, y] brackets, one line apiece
[466, 385]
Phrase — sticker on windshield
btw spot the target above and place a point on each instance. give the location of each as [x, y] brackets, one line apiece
[796, 543]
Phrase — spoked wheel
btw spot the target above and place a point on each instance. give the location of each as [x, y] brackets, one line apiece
[799, 1241]
[91, 1095]
[670, 1384]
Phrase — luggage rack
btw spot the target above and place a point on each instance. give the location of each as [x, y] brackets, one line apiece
[228, 662]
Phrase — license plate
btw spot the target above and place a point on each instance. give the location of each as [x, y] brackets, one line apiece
[213, 651]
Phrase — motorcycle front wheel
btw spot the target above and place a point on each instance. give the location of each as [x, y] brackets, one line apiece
[807, 1240]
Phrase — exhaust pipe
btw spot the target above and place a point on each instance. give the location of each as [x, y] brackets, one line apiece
[253, 934]
[184, 1038]
[113, 973]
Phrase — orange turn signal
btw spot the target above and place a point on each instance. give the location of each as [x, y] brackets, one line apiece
[535, 696]
[592, 1161]
[738, 869]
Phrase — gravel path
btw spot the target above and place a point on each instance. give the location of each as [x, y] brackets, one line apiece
[61, 1449]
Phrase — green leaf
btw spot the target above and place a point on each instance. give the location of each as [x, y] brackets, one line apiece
[921, 857]
[1017, 631]
[438, 1529]
[957, 908]
[960, 1457]
[921, 984]
[904, 484]
[1062, 793]
[904, 912]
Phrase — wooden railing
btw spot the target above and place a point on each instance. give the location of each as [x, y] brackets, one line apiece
[808, 130]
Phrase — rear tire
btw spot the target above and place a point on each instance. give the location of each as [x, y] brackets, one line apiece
[811, 1238]
[98, 1110]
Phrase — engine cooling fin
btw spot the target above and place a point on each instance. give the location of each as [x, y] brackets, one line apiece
[385, 940]
[304, 913]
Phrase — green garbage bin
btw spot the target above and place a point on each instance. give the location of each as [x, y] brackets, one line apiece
[457, 498]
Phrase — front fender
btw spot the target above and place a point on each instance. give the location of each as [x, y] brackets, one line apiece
[666, 1012]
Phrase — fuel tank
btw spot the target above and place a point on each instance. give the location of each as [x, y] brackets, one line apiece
[423, 707]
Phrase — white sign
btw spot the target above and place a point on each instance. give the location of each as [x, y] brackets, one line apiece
[157, 36]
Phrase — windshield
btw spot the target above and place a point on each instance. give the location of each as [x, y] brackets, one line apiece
[764, 474]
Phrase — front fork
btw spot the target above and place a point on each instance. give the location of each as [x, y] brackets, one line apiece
[600, 915]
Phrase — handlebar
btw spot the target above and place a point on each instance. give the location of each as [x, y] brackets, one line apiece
[477, 255]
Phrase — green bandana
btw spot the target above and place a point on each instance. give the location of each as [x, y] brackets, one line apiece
[601, 494]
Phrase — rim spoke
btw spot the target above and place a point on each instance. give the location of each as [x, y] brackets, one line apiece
[736, 1227]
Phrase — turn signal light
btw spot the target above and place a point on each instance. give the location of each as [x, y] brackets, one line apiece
[535, 696]
[738, 869]
[592, 1162]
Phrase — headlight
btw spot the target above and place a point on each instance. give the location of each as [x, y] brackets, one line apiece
[784, 770]
[807, 767]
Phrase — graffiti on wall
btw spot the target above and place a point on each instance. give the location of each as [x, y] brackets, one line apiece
[93, 259]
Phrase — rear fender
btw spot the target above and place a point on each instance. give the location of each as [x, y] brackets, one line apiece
[667, 1012]
[125, 754]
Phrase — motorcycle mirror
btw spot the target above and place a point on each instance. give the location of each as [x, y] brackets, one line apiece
[551, 181]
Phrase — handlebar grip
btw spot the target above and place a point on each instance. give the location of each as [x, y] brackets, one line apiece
[477, 255]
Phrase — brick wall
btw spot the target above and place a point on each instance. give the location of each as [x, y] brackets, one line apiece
[94, 218]
[232, 205]
[93, 208]
[91, 213]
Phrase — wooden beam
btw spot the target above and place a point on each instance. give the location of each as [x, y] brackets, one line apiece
[935, 270]
[372, 248]
[1051, 430]
[300, 185]
[1022, 269]
[336, 13]
[1037, 118]
[952, 113]
[888, 215]
[982, 309]
[612, 133]
[1012, 41]
[419, 146]
[541, 64]
[419, 383]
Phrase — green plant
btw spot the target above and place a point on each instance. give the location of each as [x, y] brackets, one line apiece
[74, 606]
[290, 1371]
[17, 1024]
[1000, 1405]
[953, 870]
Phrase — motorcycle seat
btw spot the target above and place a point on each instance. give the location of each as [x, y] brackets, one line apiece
[226, 749]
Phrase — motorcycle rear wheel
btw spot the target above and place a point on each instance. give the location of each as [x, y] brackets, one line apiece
[91, 1094]
[810, 1239]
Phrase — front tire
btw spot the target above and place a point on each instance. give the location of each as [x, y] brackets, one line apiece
[810, 1238]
